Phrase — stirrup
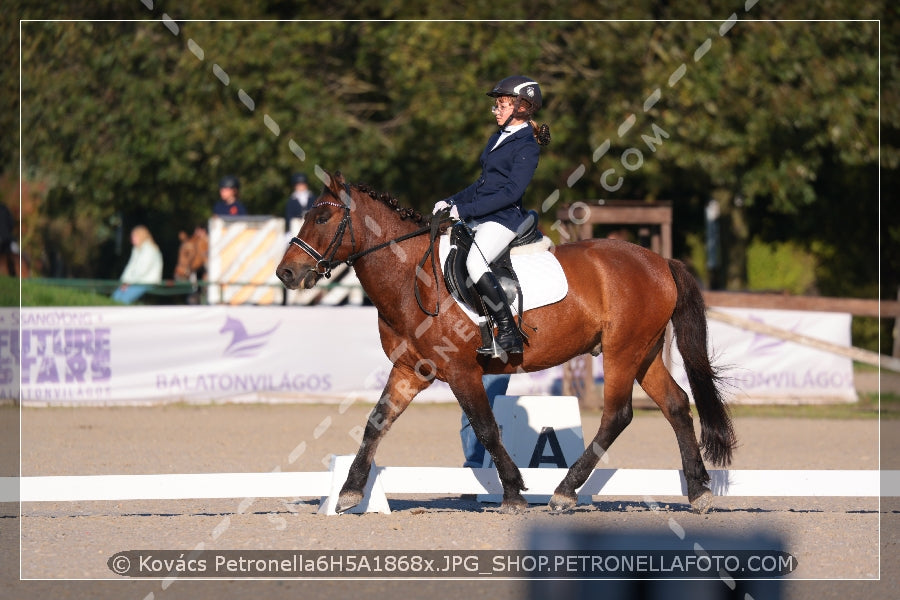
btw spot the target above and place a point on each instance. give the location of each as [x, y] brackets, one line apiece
[495, 350]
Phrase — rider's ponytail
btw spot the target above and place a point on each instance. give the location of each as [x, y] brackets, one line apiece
[524, 109]
[542, 133]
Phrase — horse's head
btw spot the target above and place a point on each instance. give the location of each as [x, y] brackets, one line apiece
[344, 225]
[192, 253]
[326, 237]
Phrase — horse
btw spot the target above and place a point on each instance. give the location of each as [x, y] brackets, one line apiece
[620, 299]
[193, 253]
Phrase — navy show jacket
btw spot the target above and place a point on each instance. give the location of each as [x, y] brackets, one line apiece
[505, 173]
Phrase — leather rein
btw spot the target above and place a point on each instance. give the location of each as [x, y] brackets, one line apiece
[325, 262]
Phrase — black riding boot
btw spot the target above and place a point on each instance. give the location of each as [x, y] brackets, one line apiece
[494, 299]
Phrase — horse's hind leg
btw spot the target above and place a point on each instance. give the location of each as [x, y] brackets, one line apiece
[674, 403]
[617, 414]
[402, 386]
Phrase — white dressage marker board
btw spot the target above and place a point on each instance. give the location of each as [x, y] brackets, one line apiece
[539, 432]
[373, 500]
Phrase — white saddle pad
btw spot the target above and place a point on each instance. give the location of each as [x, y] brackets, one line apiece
[540, 275]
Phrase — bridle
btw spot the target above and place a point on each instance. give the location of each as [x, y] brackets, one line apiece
[325, 262]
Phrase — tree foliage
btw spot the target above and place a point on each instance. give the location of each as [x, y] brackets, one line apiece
[135, 121]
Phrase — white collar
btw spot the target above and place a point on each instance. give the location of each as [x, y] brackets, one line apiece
[514, 128]
[508, 131]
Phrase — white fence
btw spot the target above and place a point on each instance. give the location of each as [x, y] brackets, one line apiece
[442, 480]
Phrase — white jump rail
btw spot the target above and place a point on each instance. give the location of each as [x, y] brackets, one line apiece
[858, 354]
[443, 480]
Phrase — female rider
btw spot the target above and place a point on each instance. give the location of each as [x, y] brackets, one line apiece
[492, 205]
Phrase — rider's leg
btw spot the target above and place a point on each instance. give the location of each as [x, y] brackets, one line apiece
[490, 240]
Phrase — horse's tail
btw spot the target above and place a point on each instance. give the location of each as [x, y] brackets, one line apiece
[689, 320]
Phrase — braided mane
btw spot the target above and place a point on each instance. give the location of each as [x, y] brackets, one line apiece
[391, 202]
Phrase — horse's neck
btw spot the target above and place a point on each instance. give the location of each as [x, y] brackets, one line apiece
[201, 251]
[388, 274]
[202, 255]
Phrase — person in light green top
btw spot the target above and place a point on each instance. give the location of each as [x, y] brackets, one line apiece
[144, 268]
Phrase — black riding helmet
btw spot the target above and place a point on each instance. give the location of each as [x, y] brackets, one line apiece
[519, 86]
[229, 181]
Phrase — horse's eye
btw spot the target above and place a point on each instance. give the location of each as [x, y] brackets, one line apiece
[322, 219]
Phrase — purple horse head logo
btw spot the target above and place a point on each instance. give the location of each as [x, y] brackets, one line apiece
[243, 343]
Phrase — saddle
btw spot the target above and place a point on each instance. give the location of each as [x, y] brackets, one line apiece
[461, 287]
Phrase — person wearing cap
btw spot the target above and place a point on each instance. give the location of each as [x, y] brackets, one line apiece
[300, 200]
[492, 205]
[229, 203]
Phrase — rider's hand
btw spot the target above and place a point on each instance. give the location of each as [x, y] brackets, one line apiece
[454, 212]
[443, 204]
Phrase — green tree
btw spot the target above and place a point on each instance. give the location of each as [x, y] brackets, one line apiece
[775, 121]
[136, 121]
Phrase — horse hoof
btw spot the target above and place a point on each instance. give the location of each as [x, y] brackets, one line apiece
[347, 500]
[513, 506]
[702, 503]
[560, 502]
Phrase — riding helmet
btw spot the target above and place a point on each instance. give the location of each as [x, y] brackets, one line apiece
[521, 87]
[229, 181]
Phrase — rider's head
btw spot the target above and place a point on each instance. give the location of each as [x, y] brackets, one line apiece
[229, 187]
[525, 92]
[525, 95]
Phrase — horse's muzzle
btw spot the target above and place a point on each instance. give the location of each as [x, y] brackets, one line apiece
[294, 278]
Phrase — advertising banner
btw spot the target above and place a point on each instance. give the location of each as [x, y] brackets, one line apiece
[147, 354]
[762, 368]
[190, 353]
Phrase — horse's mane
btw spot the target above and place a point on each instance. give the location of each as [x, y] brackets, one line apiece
[390, 201]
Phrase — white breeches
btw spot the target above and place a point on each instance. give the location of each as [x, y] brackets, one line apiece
[490, 240]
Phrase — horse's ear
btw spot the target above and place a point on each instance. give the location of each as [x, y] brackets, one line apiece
[342, 189]
[324, 176]
[336, 184]
[182, 236]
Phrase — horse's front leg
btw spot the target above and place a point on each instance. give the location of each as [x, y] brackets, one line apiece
[402, 386]
[472, 397]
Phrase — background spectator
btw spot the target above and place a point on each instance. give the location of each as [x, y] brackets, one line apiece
[300, 200]
[144, 268]
[229, 203]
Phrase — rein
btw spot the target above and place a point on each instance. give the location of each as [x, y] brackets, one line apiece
[326, 262]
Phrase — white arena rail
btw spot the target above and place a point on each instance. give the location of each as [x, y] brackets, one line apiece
[441, 480]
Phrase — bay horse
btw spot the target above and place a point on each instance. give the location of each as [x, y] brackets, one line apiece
[620, 299]
[193, 253]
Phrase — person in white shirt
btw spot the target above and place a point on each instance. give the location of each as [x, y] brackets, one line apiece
[144, 268]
